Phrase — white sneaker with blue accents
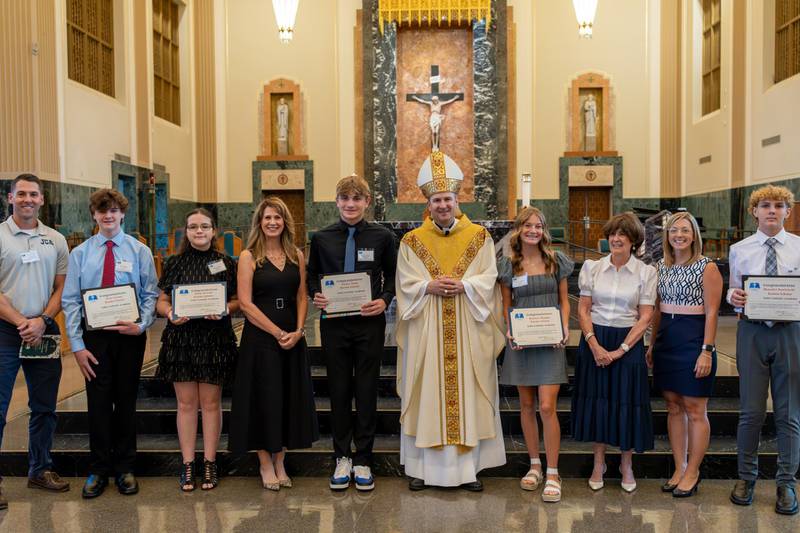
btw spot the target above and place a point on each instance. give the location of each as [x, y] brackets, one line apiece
[340, 479]
[363, 478]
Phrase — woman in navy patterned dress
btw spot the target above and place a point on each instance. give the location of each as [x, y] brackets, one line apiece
[683, 355]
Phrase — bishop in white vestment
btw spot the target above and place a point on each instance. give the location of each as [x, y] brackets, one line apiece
[448, 338]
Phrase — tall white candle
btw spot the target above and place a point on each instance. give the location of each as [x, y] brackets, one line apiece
[526, 190]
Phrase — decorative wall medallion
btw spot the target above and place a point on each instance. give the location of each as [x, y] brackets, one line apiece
[591, 175]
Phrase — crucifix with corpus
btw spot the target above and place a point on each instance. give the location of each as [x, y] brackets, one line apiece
[435, 100]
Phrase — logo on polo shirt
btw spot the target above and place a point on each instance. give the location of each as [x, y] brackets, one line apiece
[48, 241]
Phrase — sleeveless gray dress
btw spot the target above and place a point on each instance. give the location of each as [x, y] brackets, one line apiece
[543, 365]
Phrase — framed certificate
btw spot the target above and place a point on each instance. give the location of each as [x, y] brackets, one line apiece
[346, 293]
[535, 326]
[775, 298]
[196, 300]
[106, 306]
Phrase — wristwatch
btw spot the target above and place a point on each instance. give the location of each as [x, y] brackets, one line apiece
[708, 348]
[48, 321]
[624, 347]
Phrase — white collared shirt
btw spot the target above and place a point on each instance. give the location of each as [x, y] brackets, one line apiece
[617, 294]
[748, 257]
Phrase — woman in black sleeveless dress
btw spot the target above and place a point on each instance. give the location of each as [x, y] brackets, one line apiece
[273, 402]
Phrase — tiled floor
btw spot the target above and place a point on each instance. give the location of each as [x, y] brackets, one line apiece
[240, 505]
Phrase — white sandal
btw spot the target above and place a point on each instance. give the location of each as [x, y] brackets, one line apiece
[552, 488]
[533, 478]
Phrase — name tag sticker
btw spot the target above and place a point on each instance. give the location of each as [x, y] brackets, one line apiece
[366, 254]
[519, 281]
[124, 266]
[31, 256]
[215, 267]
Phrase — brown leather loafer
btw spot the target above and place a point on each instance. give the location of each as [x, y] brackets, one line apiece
[742, 493]
[787, 500]
[48, 480]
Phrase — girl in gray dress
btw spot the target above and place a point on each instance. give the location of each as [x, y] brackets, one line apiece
[536, 276]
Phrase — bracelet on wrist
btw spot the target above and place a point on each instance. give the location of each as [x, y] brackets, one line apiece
[588, 335]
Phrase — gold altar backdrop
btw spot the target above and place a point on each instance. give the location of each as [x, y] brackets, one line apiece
[411, 13]
[417, 51]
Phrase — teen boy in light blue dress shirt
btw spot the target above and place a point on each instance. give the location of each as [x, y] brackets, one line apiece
[110, 359]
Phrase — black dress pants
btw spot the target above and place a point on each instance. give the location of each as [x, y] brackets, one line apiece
[111, 400]
[353, 347]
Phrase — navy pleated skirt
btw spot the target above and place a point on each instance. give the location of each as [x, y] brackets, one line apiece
[677, 346]
[612, 404]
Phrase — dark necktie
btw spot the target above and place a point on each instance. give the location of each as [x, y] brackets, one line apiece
[108, 265]
[350, 250]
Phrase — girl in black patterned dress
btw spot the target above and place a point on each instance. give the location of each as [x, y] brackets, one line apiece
[198, 356]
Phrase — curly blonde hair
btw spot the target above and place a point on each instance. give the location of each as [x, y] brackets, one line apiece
[771, 192]
[515, 242]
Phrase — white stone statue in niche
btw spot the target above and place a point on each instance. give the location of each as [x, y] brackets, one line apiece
[590, 123]
[436, 118]
[282, 113]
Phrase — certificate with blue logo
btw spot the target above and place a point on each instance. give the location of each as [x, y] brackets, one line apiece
[772, 298]
[105, 306]
[197, 300]
[346, 293]
[535, 326]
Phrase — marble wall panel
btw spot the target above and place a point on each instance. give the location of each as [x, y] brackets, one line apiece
[488, 115]
[417, 50]
[384, 116]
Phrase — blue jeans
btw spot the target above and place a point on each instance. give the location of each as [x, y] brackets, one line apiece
[42, 377]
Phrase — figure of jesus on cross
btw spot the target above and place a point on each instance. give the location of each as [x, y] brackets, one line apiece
[432, 100]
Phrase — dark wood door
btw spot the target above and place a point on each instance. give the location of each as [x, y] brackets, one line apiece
[594, 202]
[793, 222]
[296, 202]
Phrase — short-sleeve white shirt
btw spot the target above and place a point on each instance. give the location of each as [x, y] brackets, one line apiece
[617, 294]
[748, 257]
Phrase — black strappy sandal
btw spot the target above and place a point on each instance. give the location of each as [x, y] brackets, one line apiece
[187, 477]
[210, 476]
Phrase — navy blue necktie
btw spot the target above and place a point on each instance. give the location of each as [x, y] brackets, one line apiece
[350, 251]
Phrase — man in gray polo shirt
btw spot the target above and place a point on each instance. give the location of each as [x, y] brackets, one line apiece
[33, 267]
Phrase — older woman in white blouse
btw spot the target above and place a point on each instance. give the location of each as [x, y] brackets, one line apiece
[611, 401]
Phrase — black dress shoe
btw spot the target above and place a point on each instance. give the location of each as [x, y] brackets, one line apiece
[668, 487]
[678, 493]
[416, 483]
[475, 486]
[787, 500]
[127, 484]
[94, 486]
[742, 493]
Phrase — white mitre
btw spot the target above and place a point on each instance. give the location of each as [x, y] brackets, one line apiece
[439, 173]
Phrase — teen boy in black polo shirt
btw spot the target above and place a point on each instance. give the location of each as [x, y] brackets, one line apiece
[353, 344]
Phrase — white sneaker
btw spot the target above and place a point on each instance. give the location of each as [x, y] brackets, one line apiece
[363, 478]
[340, 479]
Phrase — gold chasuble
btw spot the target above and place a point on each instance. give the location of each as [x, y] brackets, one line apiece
[447, 374]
